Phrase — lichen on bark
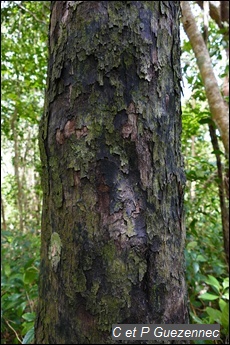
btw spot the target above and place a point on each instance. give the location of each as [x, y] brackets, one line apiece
[110, 148]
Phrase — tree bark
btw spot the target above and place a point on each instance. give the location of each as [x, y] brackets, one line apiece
[4, 225]
[222, 195]
[16, 163]
[113, 178]
[214, 12]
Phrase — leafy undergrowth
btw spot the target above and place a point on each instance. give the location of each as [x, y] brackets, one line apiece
[207, 272]
[20, 264]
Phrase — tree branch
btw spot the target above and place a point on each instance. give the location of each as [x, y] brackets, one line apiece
[218, 108]
[31, 13]
[214, 12]
[224, 11]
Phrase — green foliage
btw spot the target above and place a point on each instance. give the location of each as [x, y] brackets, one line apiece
[204, 250]
[215, 304]
[24, 34]
[207, 272]
[20, 264]
[23, 60]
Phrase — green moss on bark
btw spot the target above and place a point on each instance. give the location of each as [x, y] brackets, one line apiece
[113, 177]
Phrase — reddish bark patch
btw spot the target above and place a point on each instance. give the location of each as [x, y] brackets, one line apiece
[77, 179]
[69, 128]
[60, 137]
[144, 161]
[103, 188]
[88, 322]
[130, 127]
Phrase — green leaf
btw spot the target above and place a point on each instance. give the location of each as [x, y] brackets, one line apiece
[225, 316]
[14, 304]
[218, 152]
[22, 307]
[208, 297]
[29, 337]
[214, 314]
[196, 318]
[225, 283]
[196, 267]
[222, 304]
[191, 245]
[29, 264]
[213, 282]
[192, 226]
[30, 275]
[29, 316]
[16, 277]
[27, 326]
[200, 174]
[206, 120]
[200, 258]
[7, 269]
[226, 295]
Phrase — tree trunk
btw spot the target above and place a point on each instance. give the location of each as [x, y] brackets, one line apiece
[20, 199]
[222, 195]
[113, 180]
[3, 222]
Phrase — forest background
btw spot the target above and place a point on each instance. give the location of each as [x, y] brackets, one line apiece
[24, 52]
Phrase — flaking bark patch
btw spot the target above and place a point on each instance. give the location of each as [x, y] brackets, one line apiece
[70, 129]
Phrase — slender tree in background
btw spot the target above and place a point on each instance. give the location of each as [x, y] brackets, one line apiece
[216, 100]
[112, 226]
[218, 108]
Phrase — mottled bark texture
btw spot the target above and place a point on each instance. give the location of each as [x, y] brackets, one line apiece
[112, 226]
